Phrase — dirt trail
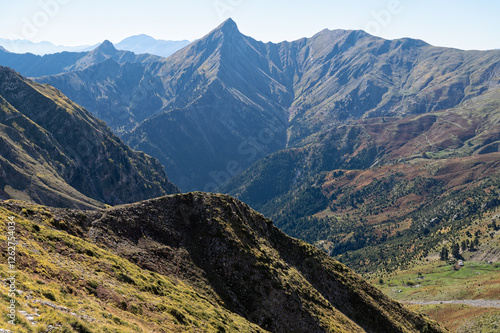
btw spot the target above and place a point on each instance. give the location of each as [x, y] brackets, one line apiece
[481, 303]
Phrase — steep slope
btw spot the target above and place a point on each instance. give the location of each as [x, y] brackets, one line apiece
[382, 180]
[120, 95]
[233, 257]
[67, 283]
[223, 102]
[147, 44]
[344, 75]
[34, 66]
[24, 175]
[218, 94]
[56, 153]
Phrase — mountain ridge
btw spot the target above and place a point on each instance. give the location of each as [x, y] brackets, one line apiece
[32, 65]
[234, 257]
[57, 149]
[307, 87]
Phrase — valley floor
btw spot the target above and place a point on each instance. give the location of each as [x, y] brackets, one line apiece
[464, 300]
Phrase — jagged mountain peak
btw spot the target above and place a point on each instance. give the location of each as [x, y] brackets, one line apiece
[228, 25]
[226, 28]
[224, 36]
[106, 47]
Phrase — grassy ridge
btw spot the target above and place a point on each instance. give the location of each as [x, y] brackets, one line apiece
[95, 290]
[190, 262]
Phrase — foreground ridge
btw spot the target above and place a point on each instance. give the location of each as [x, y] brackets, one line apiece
[233, 257]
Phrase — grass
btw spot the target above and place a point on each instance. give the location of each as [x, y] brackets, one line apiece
[439, 281]
[462, 318]
[93, 290]
[431, 280]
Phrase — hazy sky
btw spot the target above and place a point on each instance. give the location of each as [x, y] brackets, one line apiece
[465, 24]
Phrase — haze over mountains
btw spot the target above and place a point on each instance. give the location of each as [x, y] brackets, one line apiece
[137, 44]
[147, 44]
[301, 88]
[40, 48]
[32, 65]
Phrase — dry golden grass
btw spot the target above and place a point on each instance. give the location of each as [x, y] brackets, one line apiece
[91, 289]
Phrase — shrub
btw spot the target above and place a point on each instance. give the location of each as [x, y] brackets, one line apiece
[80, 327]
[125, 278]
[179, 316]
[49, 295]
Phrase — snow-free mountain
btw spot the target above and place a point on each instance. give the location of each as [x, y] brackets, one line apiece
[233, 100]
[137, 44]
[301, 114]
[147, 44]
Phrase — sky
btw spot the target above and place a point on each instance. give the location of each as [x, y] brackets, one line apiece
[464, 24]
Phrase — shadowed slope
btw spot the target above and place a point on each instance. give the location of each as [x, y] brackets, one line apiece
[53, 145]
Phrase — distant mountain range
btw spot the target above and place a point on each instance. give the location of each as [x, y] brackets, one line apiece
[32, 65]
[137, 44]
[234, 100]
[41, 48]
[147, 44]
[286, 127]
